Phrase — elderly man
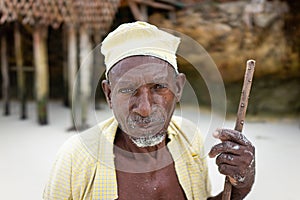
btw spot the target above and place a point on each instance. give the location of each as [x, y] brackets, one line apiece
[143, 151]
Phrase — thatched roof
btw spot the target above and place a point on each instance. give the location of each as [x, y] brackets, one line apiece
[97, 14]
[33, 12]
[175, 3]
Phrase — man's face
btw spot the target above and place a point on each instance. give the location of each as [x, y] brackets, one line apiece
[143, 92]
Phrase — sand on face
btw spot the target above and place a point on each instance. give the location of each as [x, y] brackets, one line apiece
[27, 152]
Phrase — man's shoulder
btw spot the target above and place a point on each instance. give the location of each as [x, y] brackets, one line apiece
[182, 121]
[186, 126]
[188, 131]
[77, 144]
[86, 144]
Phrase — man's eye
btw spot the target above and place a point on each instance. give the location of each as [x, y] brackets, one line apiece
[127, 90]
[160, 86]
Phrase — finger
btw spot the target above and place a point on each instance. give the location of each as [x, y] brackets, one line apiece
[226, 147]
[232, 172]
[225, 158]
[231, 135]
[235, 160]
[228, 170]
[236, 178]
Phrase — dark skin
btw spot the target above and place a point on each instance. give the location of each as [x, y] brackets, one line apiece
[236, 159]
[154, 184]
[148, 172]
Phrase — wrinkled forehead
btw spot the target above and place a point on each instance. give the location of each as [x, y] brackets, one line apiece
[141, 69]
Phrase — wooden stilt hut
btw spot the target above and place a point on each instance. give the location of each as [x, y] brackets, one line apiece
[38, 15]
[87, 19]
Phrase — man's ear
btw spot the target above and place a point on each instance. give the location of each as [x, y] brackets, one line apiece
[107, 91]
[180, 82]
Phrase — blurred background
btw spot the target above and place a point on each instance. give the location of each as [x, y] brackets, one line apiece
[43, 44]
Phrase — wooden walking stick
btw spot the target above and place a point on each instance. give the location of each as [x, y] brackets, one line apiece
[241, 116]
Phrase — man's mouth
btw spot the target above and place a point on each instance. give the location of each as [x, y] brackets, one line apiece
[145, 122]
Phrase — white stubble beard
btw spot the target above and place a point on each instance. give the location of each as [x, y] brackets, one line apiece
[148, 141]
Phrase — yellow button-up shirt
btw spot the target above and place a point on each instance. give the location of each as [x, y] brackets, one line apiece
[84, 167]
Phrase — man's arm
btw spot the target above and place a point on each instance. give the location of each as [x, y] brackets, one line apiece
[236, 159]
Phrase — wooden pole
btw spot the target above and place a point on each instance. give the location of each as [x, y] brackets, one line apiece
[135, 11]
[42, 74]
[98, 64]
[241, 116]
[144, 12]
[72, 66]
[65, 66]
[5, 75]
[20, 71]
[85, 74]
[72, 60]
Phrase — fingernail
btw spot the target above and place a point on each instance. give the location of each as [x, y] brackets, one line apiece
[216, 133]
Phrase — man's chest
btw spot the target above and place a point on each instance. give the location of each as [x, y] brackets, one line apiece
[160, 184]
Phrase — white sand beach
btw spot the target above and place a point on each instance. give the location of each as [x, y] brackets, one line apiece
[28, 150]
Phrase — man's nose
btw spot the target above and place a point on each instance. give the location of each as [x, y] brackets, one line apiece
[143, 102]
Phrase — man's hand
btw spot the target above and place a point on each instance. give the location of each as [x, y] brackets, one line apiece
[236, 159]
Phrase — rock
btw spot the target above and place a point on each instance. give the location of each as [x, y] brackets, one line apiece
[251, 9]
[264, 20]
[190, 21]
[230, 43]
[235, 8]
[221, 29]
[263, 13]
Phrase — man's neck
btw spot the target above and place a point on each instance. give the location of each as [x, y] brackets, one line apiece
[124, 142]
[131, 158]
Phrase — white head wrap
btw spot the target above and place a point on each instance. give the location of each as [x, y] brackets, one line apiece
[139, 38]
